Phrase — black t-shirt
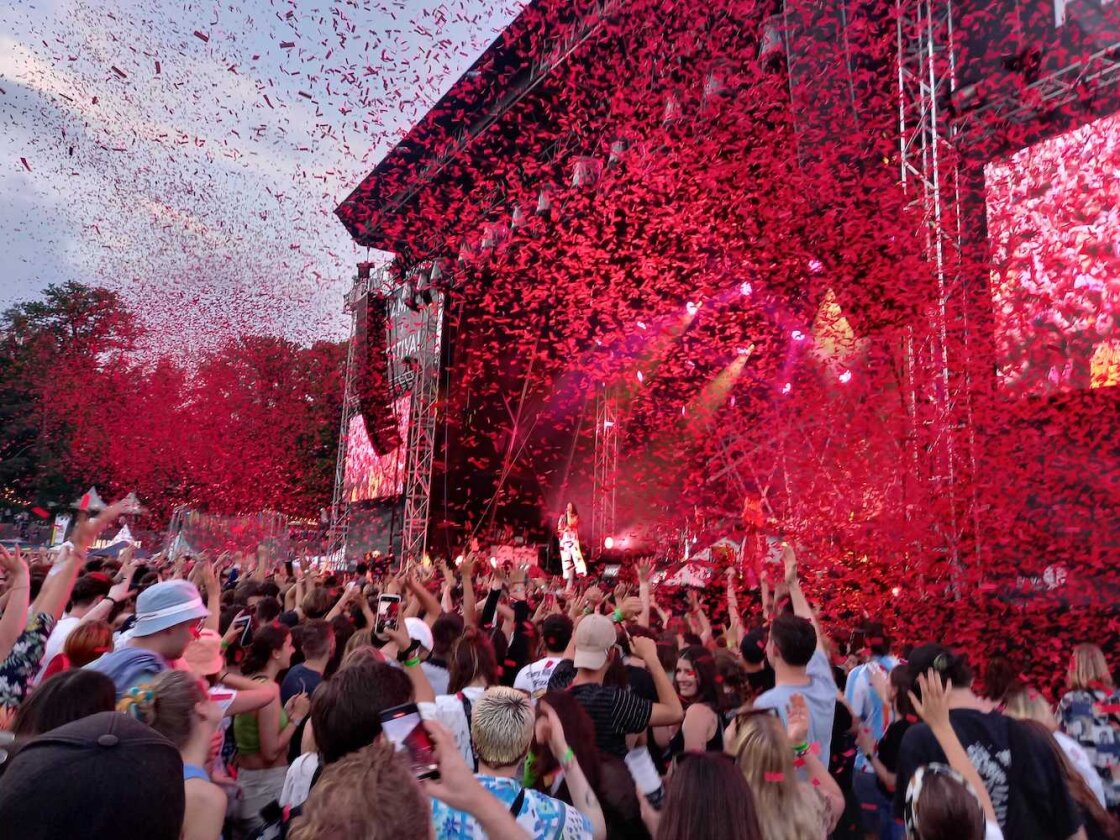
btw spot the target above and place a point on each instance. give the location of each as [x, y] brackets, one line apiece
[1019, 770]
[615, 712]
[889, 746]
[641, 683]
[761, 681]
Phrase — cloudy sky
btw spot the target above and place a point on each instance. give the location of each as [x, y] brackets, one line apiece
[190, 155]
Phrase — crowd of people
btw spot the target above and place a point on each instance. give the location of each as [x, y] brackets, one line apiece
[209, 698]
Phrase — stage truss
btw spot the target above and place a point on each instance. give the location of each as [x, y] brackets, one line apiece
[605, 480]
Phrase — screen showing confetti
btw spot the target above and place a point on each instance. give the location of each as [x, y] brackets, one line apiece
[1054, 223]
[373, 476]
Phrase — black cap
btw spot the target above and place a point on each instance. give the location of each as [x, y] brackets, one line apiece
[556, 630]
[106, 775]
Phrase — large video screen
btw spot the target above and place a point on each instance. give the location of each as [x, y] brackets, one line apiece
[369, 475]
[1054, 225]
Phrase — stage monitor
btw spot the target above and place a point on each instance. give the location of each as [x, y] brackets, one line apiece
[369, 475]
[1053, 213]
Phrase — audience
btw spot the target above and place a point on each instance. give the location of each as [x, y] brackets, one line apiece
[136, 706]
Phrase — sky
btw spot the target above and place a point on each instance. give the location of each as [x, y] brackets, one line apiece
[190, 155]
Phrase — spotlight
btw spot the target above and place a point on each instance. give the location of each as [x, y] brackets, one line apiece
[846, 377]
[797, 335]
[608, 543]
[691, 308]
[745, 289]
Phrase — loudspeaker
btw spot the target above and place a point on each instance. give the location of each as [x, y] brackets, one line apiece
[372, 375]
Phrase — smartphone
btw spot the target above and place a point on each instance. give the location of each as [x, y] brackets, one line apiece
[244, 623]
[405, 728]
[388, 612]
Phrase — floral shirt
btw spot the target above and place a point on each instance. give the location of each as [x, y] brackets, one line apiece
[543, 817]
[1092, 718]
[23, 662]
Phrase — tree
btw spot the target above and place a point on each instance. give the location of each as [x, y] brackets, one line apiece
[53, 355]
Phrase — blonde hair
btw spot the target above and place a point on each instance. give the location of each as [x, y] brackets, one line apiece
[1088, 669]
[787, 809]
[502, 726]
[369, 794]
[166, 704]
[1027, 704]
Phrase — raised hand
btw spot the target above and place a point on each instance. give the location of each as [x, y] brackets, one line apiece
[789, 563]
[797, 720]
[933, 708]
[87, 531]
[645, 569]
[14, 566]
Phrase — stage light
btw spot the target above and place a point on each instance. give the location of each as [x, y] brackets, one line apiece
[786, 388]
[745, 289]
[797, 335]
[692, 308]
[846, 377]
[608, 543]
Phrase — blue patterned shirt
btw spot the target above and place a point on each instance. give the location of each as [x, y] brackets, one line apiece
[1092, 718]
[543, 817]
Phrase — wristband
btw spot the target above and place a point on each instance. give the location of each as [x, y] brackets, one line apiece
[408, 652]
[567, 758]
[411, 663]
[617, 616]
[799, 750]
[111, 598]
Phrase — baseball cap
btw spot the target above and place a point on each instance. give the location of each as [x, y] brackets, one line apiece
[419, 631]
[204, 654]
[595, 636]
[165, 605]
[106, 775]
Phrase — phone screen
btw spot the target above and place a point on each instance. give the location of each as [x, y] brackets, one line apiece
[405, 728]
[388, 612]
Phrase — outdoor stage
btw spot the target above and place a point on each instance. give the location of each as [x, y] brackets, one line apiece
[678, 274]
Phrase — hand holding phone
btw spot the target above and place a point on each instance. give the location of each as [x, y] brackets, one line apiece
[388, 613]
[404, 727]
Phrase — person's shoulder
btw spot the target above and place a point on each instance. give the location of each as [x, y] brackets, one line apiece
[205, 795]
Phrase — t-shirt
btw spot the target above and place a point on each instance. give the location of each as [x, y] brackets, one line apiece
[56, 641]
[297, 782]
[615, 712]
[761, 681]
[448, 710]
[438, 676]
[866, 702]
[542, 817]
[300, 678]
[1023, 779]
[820, 696]
[888, 749]
[1092, 718]
[533, 678]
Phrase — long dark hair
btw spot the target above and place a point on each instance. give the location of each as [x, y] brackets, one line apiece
[266, 641]
[471, 657]
[1081, 793]
[708, 798]
[579, 732]
[704, 666]
[64, 698]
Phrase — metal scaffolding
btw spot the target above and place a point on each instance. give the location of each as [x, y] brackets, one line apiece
[605, 480]
[340, 507]
[937, 351]
[422, 442]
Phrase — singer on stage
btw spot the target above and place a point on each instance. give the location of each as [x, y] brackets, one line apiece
[571, 558]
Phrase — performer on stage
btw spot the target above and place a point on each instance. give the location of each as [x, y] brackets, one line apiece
[571, 558]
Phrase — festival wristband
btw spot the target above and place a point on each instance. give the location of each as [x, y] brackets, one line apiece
[801, 749]
[568, 757]
[617, 616]
[411, 663]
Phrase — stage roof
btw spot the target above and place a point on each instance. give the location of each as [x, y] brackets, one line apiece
[509, 69]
